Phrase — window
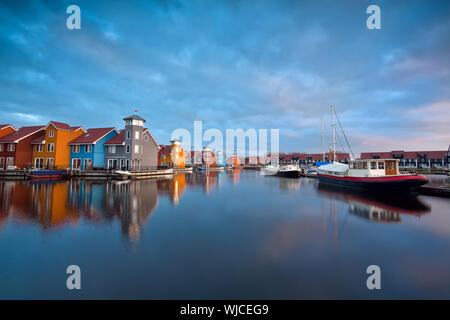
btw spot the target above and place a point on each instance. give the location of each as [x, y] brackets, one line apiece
[76, 148]
[111, 149]
[360, 165]
[2, 163]
[373, 165]
[11, 147]
[39, 148]
[39, 163]
[128, 134]
[145, 138]
[136, 135]
[76, 163]
[381, 165]
[365, 165]
[9, 162]
[51, 133]
[88, 148]
[128, 148]
[87, 164]
[128, 122]
[49, 163]
[136, 148]
[50, 147]
[1, 146]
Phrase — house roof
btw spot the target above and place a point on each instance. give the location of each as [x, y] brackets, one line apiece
[313, 156]
[92, 135]
[4, 126]
[64, 126]
[40, 139]
[134, 116]
[147, 129]
[405, 154]
[20, 134]
[164, 151]
[118, 139]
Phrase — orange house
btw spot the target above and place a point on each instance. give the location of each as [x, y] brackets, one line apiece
[6, 129]
[53, 152]
[172, 156]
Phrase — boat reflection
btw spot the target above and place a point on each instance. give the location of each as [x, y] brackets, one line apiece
[376, 207]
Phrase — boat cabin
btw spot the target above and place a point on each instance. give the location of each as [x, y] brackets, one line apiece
[373, 167]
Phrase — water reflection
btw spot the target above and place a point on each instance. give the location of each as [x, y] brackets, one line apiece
[376, 207]
[52, 204]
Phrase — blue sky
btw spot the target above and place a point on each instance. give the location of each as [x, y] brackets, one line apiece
[233, 64]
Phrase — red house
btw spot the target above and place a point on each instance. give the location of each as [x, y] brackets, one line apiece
[16, 148]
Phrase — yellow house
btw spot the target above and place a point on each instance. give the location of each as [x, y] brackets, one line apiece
[172, 156]
[53, 151]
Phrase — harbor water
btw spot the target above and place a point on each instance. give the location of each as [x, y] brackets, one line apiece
[219, 235]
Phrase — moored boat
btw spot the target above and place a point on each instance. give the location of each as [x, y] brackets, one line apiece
[381, 175]
[289, 171]
[47, 174]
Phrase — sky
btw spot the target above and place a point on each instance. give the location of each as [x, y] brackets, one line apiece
[234, 64]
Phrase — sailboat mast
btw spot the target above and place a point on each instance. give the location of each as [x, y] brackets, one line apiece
[334, 133]
[323, 143]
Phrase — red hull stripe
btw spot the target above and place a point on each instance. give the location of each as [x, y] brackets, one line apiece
[378, 179]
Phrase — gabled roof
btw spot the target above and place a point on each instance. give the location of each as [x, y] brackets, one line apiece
[119, 139]
[20, 134]
[148, 130]
[4, 126]
[40, 139]
[134, 116]
[92, 135]
[165, 151]
[64, 126]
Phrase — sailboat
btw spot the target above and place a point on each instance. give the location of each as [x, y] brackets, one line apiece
[373, 174]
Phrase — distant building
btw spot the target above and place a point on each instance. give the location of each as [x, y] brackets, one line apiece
[413, 159]
[88, 150]
[134, 148]
[205, 158]
[233, 161]
[16, 149]
[172, 156]
[311, 158]
[52, 151]
[221, 160]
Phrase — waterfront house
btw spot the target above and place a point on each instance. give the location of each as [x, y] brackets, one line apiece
[205, 158]
[412, 159]
[172, 156]
[6, 129]
[53, 151]
[233, 161]
[134, 148]
[15, 148]
[221, 160]
[88, 150]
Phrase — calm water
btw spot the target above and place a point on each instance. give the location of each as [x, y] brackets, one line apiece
[219, 235]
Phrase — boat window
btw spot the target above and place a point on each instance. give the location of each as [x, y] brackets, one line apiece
[373, 165]
[359, 165]
[381, 165]
[365, 165]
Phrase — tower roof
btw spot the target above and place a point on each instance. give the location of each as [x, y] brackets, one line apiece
[134, 117]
